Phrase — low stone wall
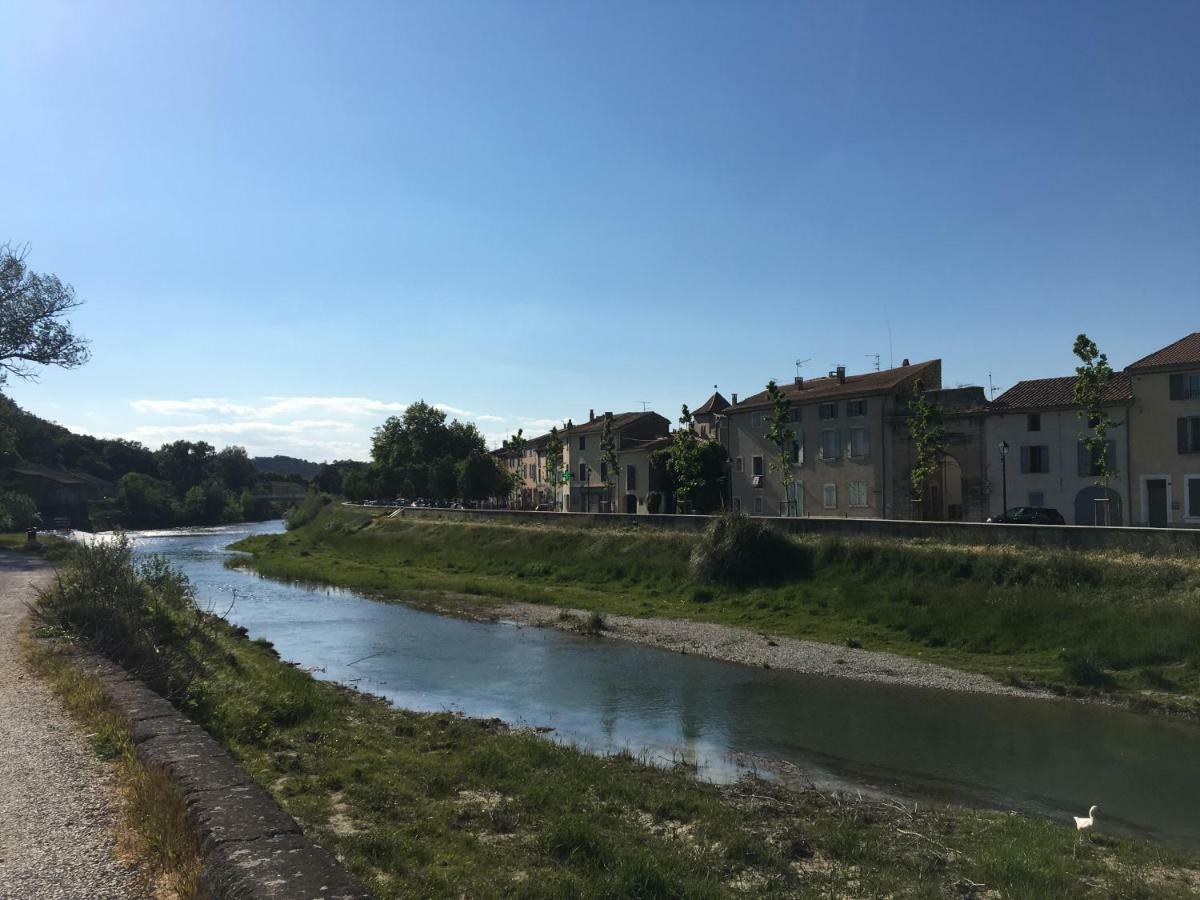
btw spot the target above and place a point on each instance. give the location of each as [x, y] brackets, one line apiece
[252, 849]
[1072, 537]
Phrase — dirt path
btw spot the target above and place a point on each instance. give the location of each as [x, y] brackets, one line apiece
[56, 805]
[739, 645]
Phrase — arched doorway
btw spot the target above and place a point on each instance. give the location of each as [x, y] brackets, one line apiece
[1087, 509]
[631, 504]
[943, 496]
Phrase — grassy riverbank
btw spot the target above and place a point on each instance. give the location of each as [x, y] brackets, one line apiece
[1078, 623]
[433, 805]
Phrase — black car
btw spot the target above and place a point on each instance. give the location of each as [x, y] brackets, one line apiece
[1030, 515]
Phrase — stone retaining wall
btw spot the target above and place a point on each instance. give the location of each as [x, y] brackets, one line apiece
[252, 849]
[1073, 537]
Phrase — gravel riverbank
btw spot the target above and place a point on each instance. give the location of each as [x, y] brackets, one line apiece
[57, 808]
[738, 645]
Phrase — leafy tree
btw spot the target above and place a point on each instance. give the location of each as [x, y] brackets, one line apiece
[928, 436]
[780, 434]
[517, 446]
[554, 461]
[17, 512]
[443, 477]
[146, 502]
[207, 503]
[184, 464]
[480, 477]
[359, 484]
[406, 451]
[1094, 376]
[235, 468]
[683, 461]
[33, 330]
[608, 459]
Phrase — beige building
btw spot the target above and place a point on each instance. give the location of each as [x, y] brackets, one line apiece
[590, 489]
[1047, 463]
[1165, 435]
[850, 443]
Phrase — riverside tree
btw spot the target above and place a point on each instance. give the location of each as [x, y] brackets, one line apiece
[1093, 378]
[929, 437]
[608, 458]
[683, 461]
[554, 461]
[417, 454]
[780, 434]
[34, 330]
[518, 444]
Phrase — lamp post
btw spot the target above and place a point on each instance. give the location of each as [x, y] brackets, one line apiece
[1004, 476]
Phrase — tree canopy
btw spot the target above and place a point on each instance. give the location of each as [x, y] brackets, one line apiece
[34, 330]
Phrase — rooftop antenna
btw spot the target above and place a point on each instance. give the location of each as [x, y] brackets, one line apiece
[991, 386]
[800, 364]
[874, 356]
[891, 359]
[645, 404]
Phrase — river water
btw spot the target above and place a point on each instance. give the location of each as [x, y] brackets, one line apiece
[1047, 758]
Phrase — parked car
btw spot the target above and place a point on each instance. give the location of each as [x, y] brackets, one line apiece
[544, 507]
[1030, 515]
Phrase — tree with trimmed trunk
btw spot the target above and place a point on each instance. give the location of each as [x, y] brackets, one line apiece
[517, 445]
[683, 462]
[608, 459]
[1093, 377]
[554, 461]
[780, 434]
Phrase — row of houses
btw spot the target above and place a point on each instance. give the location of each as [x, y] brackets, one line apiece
[853, 454]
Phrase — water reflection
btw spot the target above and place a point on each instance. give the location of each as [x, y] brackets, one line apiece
[1047, 758]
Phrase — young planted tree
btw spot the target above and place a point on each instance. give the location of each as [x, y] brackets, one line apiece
[929, 437]
[608, 459]
[780, 434]
[517, 445]
[684, 463]
[33, 330]
[554, 462]
[1094, 375]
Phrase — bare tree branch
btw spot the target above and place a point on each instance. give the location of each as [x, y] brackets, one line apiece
[33, 328]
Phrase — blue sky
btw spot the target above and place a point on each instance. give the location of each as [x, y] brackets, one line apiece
[290, 219]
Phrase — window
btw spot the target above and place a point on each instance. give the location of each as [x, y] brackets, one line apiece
[1185, 386]
[831, 444]
[858, 443]
[756, 420]
[1037, 498]
[829, 496]
[533, 471]
[1033, 422]
[583, 473]
[795, 500]
[737, 504]
[704, 430]
[827, 411]
[758, 505]
[583, 442]
[1035, 458]
[858, 493]
[757, 465]
[740, 466]
[795, 414]
[1189, 434]
[856, 407]
[604, 472]
[631, 478]
[1089, 460]
[798, 451]
[1191, 497]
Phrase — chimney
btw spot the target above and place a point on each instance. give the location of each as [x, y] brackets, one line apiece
[591, 415]
[905, 363]
[735, 398]
[841, 374]
[800, 382]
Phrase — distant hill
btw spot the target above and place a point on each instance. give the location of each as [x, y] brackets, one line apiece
[286, 465]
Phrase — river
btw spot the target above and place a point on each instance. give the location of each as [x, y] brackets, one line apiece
[1046, 758]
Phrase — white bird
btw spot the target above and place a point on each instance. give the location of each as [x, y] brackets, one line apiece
[1084, 824]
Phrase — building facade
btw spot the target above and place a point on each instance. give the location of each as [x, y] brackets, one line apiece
[845, 444]
[1165, 436]
[590, 487]
[1047, 463]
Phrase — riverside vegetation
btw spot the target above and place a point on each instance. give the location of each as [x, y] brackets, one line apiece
[1115, 624]
[434, 805]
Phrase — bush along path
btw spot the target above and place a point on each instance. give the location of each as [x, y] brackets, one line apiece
[58, 807]
[435, 805]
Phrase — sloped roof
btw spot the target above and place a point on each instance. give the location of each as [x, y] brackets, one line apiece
[828, 388]
[1184, 353]
[39, 471]
[1057, 393]
[714, 404]
[619, 420]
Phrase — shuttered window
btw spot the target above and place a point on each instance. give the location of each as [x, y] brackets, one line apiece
[1185, 386]
[1189, 434]
[1035, 458]
[1192, 497]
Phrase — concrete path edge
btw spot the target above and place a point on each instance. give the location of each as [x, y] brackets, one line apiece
[252, 849]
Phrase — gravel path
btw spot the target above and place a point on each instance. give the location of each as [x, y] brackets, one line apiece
[733, 644]
[56, 806]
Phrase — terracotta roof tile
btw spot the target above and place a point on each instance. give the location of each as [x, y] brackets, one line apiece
[1055, 393]
[856, 385]
[1185, 352]
[714, 404]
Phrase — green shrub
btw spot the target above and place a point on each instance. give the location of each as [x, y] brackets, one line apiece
[654, 503]
[17, 512]
[737, 550]
[1085, 671]
[307, 510]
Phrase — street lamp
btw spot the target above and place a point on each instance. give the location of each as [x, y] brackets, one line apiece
[1004, 476]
